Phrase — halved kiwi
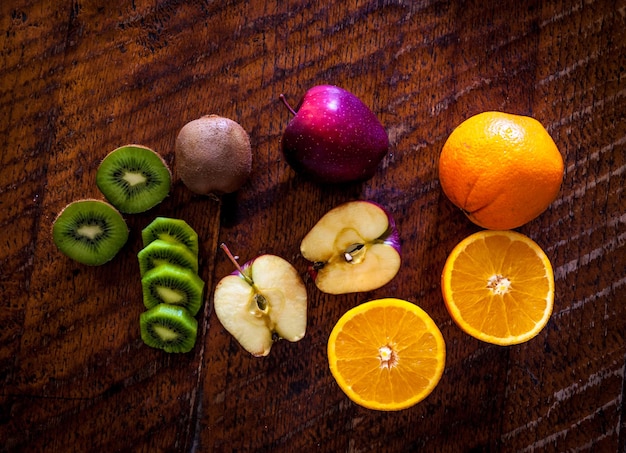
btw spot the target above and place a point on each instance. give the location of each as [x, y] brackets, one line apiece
[90, 231]
[175, 231]
[133, 178]
[161, 252]
[168, 327]
[172, 285]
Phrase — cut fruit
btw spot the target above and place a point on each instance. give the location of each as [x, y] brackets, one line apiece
[133, 178]
[263, 300]
[354, 247]
[90, 231]
[172, 285]
[499, 287]
[168, 327]
[386, 354]
[161, 252]
[175, 231]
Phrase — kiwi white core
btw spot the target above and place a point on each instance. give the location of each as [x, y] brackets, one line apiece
[134, 178]
[169, 295]
[90, 231]
[165, 333]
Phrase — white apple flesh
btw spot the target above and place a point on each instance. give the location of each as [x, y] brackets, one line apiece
[263, 299]
[354, 247]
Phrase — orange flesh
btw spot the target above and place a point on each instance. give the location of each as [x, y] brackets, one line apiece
[388, 357]
[499, 288]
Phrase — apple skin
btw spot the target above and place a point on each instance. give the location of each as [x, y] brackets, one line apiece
[336, 269]
[281, 314]
[334, 137]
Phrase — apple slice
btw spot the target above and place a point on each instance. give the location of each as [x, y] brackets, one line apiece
[354, 247]
[262, 300]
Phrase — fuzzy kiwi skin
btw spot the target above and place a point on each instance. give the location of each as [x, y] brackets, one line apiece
[213, 155]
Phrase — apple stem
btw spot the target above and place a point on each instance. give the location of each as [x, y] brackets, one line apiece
[233, 260]
[282, 98]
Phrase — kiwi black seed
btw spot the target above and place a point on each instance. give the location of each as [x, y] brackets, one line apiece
[162, 252]
[172, 285]
[176, 231]
[168, 327]
[90, 231]
[133, 178]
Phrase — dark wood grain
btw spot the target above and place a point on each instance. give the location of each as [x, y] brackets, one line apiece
[80, 78]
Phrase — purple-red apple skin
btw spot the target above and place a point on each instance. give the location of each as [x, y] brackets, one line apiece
[334, 137]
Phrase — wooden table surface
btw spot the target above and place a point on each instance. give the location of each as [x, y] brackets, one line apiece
[80, 78]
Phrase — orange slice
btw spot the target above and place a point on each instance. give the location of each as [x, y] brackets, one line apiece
[386, 354]
[499, 287]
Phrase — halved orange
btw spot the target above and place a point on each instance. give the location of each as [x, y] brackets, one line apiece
[386, 354]
[499, 287]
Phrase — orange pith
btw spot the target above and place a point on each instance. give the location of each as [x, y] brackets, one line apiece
[499, 287]
[502, 169]
[386, 354]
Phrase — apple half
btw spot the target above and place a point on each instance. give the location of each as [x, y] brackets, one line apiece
[354, 247]
[263, 300]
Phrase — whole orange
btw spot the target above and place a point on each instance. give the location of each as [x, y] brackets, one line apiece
[501, 169]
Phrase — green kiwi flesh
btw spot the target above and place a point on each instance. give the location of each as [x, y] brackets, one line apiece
[175, 231]
[133, 178]
[172, 285]
[160, 252]
[90, 231]
[168, 327]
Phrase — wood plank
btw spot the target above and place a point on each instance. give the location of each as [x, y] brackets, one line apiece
[80, 78]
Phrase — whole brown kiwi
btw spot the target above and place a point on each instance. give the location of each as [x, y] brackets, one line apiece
[213, 155]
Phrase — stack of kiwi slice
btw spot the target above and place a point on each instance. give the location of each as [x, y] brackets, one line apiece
[134, 179]
[172, 289]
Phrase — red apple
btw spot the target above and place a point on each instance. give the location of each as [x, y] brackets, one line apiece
[333, 137]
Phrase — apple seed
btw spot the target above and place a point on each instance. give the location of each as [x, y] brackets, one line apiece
[354, 251]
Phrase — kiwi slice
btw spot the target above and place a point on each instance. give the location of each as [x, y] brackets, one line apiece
[90, 231]
[162, 252]
[168, 327]
[172, 285]
[175, 231]
[133, 178]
